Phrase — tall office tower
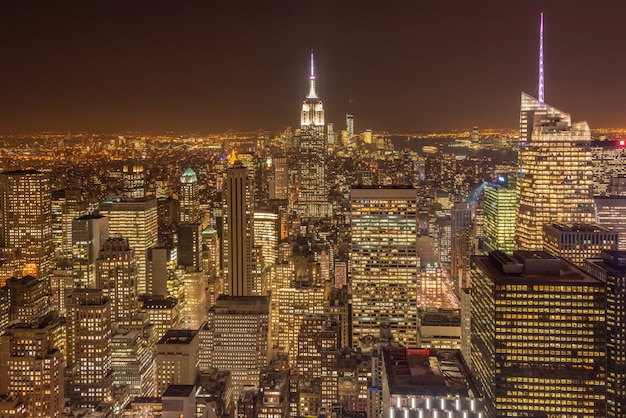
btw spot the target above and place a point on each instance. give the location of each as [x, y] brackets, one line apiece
[610, 267]
[132, 361]
[318, 351]
[238, 229]
[293, 303]
[609, 163]
[89, 346]
[578, 242]
[499, 217]
[167, 216]
[116, 276]
[163, 313]
[32, 367]
[350, 125]
[266, 230]
[194, 298]
[28, 298]
[89, 232]
[61, 285]
[338, 307]
[330, 134]
[66, 206]
[384, 262]
[189, 199]
[463, 243]
[281, 179]
[134, 183]
[556, 177]
[135, 220]
[538, 336]
[162, 264]
[177, 359]
[26, 205]
[611, 212]
[239, 340]
[313, 194]
[190, 246]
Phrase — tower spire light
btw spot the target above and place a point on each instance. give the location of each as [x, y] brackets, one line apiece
[540, 96]
[312, 94]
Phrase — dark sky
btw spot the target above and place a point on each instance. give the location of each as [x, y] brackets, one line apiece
[213, 65]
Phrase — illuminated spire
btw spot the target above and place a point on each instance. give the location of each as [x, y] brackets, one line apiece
[540, 96]
[233, 157]
[312, 94]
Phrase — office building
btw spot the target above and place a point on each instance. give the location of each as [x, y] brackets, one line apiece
[133, 181]
[135, 220]
[190, 246]
[499, 214]
[239, 333]
[538, 335]
[132, 361]
[266, 230]
[89, 335]
[32, 367]
[188, 198]
[577, 242]
[463, 242]
[28, 298]
[116, 276]
[556, 177]
[384, 262]
[238, 229]
[89, 233]
[610, 268]
[67, 205]
[313, 194]
[176, 359]
[26, 207]
[611, 213]
[163, 313]
[428, 382]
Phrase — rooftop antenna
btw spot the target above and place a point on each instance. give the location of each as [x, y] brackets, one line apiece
[312, 94]
[541, 79]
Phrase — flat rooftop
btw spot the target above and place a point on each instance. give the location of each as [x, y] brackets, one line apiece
[429, 372]
[178, 336]
[531, 270]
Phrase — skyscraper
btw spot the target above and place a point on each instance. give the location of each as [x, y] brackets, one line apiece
[238, 230]
[499, 215]
[116, 275]
[556, 177]
[384, 262]
[88, 234]
[26, 207]
[135, 220]
[133, 178]
[313, 194]
[89, 346]
[538, 336]
[188, 198]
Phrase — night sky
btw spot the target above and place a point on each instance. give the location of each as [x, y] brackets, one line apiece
[210, 66]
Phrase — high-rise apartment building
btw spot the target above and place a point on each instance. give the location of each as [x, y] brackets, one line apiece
[89, 335]
[499, 214]
[384, 263]
[610, 268]
[556, 178]
[313, 194]
[32, 367]
[26, 207]
[116, 276]
[89, 233]
[188, 198]
[538, 335]
[135, 220]
[238, 230]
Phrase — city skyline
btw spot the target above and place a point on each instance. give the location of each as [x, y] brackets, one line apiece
[200, 67]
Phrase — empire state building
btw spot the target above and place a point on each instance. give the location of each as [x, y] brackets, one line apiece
[312, 195]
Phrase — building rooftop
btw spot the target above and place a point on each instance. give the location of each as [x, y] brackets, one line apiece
[539, 266]
[429, 372]
[590, 227]
[178, 336]
[178, 391]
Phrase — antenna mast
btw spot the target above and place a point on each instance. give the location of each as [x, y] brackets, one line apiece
[541, 79]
